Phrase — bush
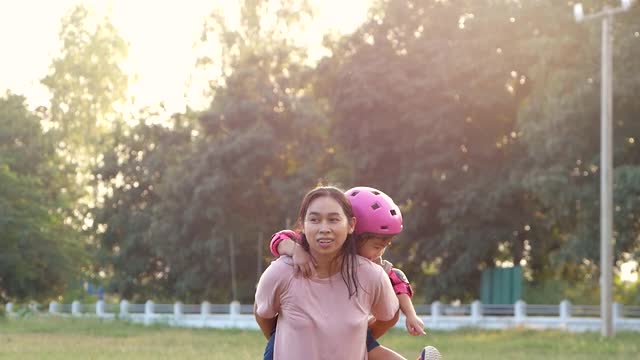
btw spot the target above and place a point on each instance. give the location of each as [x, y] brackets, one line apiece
[627, 293]
[586, 292]
[553, 291]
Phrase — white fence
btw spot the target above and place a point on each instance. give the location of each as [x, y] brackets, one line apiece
[436, 316]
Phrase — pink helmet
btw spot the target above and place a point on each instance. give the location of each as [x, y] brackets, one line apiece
[375, 211]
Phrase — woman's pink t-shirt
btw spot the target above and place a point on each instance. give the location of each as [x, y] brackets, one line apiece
[316, 318]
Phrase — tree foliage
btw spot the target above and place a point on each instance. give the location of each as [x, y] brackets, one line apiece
[40, 252]
[445, 105]
[86, 81]
[461, 111]
[133, 171]
[480, 117]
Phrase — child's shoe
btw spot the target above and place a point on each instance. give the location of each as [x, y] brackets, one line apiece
[430, 353]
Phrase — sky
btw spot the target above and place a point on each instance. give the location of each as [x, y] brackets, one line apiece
[160, 36]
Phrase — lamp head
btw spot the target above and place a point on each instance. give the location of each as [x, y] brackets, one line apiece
[578, 12]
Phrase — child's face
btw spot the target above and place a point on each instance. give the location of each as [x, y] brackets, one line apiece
[374, 247]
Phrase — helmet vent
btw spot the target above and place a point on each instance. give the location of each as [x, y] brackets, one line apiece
[376, 192]
[375, 206]
[393, 212]
[355, 193]
[384, 227]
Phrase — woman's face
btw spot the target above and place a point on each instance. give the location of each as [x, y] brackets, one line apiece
[326, 226]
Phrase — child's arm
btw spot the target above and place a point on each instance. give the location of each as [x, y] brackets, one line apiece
[283, 243]
[403, 290]
[414, 324]
[286, 247]
[289, 237]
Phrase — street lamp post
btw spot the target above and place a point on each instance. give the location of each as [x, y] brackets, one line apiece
[606, 161]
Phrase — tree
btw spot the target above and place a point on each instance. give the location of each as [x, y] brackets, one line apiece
[424, 100]
[40, 252]
[261, 145]
[88, 89]
[561, 125]
[86, 81]
[133, 171]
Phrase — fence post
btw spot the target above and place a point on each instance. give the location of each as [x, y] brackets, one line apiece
[205, 310]
[234, 308]
[9, 308]
[177, 310]
[124, 309]
[618, 313]
[148, 312]
[476, 311]
[53, 307]
[100, 308]
[75, 308]
[565, 313]
[234, 312]
[520, 312]
[436, 311]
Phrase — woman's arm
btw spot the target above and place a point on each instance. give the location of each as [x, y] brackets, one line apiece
[379, 327]
[269, 291]
[414, 324]
[266, 325]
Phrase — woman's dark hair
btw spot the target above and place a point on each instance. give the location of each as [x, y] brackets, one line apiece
[348, 252]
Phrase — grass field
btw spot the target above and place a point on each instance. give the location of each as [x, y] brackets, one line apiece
[45, 337]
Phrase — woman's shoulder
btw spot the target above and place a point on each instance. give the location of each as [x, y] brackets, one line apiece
[283, 263]
[279, 273]
[368, 267]
[280, 267]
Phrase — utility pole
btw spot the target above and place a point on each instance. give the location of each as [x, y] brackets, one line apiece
[232, 255]
[606, 160]
[259, 262]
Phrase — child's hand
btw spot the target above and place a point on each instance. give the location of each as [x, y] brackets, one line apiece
[415, 326]
[304, 262]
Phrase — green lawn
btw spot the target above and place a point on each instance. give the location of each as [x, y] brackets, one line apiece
[45, 337]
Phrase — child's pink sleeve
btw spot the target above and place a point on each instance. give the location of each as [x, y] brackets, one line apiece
[400, 282]
[278, 237]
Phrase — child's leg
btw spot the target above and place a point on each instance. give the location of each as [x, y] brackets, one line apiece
[379, 352]
[382, 353]
[268, 351]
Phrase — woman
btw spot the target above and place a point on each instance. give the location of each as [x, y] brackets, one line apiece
[325, 317]
[378, 221]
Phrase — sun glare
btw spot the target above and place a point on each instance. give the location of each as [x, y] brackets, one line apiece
[629, 271]
[161, 37]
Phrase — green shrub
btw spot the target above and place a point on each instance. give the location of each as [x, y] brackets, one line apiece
[553, 291]
[586, 292]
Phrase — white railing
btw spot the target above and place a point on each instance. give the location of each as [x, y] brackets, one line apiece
[436, 316]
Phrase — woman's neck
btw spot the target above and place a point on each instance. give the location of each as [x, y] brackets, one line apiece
[327, 265]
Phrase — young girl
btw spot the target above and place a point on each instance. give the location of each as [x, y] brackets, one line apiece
[324, 317]
[378, 221]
